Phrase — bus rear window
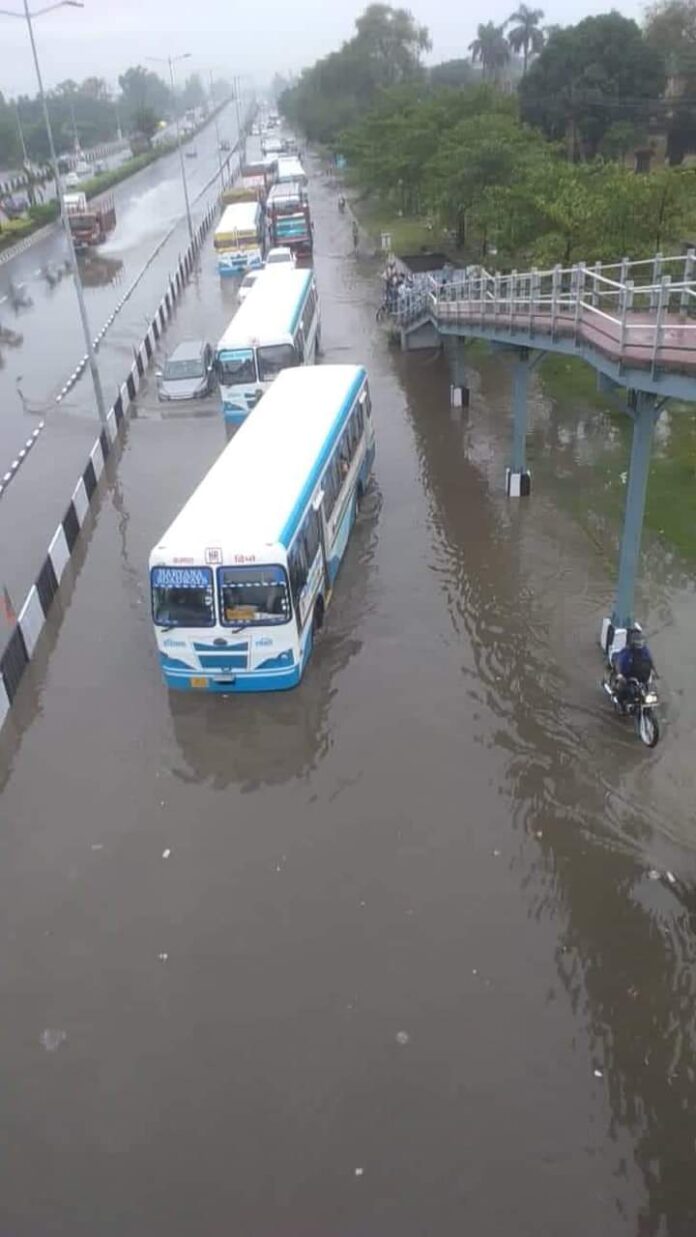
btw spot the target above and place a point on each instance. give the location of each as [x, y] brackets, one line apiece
[182, 596]
[253, 595]
[273, 358]
[236, 367]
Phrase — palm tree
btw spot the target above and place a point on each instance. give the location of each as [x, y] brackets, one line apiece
[526, 35]
[491, 49]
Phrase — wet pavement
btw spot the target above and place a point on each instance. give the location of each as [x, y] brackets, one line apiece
[148, 205]
[409, 950]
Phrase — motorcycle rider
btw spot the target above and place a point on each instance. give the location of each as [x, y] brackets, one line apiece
[633, 661]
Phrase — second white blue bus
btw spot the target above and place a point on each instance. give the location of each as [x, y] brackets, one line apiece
[276, 327]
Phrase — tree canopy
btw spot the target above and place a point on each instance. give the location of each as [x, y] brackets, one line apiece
[589, 76]
[384, 51]
[490, 47]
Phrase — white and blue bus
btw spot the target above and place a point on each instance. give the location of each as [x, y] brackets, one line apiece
[241, 580]
[276, 327]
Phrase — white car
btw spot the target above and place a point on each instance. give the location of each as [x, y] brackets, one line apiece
[247, 284]
[282, 256]
[72, 180]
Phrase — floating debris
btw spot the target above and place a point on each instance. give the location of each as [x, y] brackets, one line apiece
[598, 1073]
[97, 845]
[166, 853]
[402, 1037]
[163, 957]
[52, 1038]
[359, 1172]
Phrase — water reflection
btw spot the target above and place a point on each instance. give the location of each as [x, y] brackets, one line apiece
[97, 270]
[260, 740]
[627, 951]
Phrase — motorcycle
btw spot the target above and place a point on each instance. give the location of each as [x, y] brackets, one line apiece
[639, 702]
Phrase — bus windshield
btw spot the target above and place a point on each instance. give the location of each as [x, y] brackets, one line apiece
[182, 596]
[237, 367]
[253, 595]
[273, 358]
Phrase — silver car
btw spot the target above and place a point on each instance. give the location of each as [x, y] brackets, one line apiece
[188, 373]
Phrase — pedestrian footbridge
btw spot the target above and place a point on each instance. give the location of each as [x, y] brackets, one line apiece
[633, 322]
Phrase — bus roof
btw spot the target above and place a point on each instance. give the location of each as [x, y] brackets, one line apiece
[271, 309]
[258, 488]
[290, 168]
[239, 217]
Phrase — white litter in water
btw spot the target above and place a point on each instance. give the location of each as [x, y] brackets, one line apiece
[166, 853]
[163, 957]
[402, 1037]
[598, 1073]
[52, 1038]
[97, 845]
[653, 875]
[671, 878]
[359, 1172]
[496, 853]
[474, 971]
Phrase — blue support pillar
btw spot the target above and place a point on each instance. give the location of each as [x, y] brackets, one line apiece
[459, 391]
[517, 478]
[646, 410]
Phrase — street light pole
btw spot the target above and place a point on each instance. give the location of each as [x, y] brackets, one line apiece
[171, 61]
[72, 258]
[217, 132]
[241, 138]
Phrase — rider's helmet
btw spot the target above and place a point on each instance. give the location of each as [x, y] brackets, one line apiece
[635, 638]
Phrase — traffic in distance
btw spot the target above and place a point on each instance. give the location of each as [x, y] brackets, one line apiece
[241, 580]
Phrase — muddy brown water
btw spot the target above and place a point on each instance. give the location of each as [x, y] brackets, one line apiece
[414, 964]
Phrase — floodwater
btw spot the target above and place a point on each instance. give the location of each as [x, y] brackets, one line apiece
[33, 372]
[409, 950]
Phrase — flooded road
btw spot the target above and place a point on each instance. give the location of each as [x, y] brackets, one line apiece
[409, 950]
[150, 228]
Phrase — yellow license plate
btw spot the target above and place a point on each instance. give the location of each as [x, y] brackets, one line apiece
[199, 681]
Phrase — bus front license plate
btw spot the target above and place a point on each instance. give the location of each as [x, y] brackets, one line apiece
[199, 681]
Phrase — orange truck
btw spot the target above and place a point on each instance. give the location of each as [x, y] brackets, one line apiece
[90, 222]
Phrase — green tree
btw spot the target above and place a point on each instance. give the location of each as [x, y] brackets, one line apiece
[670, 28]
[589, 76]
[526, 36]
[453, 73]
[481, 153]
[331, 96]
[193, 95]
[143, 91]
[491, 49]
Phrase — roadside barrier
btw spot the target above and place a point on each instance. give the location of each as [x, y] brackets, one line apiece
[29, 625]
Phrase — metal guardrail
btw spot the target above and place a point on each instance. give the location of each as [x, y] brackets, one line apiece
[641, 313]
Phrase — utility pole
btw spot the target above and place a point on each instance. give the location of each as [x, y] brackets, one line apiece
[217, 132]
[171, 61]
[72, 257]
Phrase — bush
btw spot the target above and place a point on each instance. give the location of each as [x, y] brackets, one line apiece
[43, 212]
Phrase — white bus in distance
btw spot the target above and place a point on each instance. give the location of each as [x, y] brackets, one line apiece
[277, 327]
[291, 169]
[241, 580]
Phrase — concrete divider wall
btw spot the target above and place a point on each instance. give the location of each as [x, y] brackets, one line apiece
[24, 637]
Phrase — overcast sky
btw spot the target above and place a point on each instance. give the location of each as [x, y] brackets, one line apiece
[109, 35]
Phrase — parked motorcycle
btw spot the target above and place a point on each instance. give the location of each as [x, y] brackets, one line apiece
[639, 701]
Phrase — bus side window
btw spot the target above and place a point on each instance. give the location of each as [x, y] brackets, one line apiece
[297, 566]
[311, 537]
[308, 312]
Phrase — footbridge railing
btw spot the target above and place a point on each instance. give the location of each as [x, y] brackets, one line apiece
[640, 314]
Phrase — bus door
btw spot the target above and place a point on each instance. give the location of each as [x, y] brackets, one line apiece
[318, 509]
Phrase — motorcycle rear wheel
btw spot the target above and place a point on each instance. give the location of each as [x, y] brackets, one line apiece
[648, 727]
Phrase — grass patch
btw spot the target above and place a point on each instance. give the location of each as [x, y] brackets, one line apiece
[567, 378]
[409, 234]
